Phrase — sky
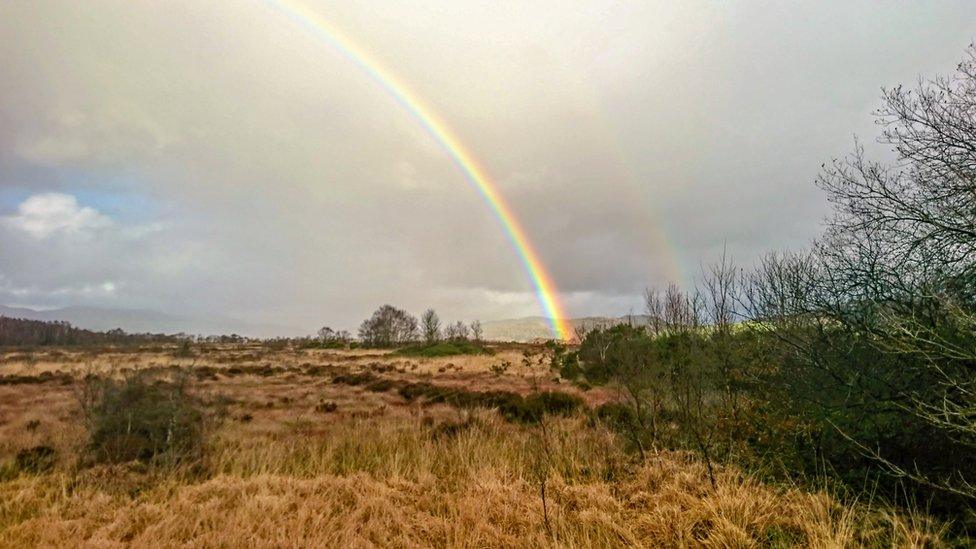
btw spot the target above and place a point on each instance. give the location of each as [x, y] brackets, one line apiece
[215, 158]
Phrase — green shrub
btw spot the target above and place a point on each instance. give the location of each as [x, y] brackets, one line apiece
[36, 460]
[616, 414]
[361, 378]
[512, 406]
[445, 348]
[185, 350]
[381, 385]
[319, 344]
[554, 402]
[141, 418]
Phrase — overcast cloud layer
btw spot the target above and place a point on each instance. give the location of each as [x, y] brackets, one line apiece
[214, 158]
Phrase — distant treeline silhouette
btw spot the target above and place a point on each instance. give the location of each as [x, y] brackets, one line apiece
[25, 333]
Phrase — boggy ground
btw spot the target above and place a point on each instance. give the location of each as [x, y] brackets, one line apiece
[322, 448]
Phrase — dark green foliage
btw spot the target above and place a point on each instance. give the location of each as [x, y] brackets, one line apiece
[512, 406]
[35, 460]
[813, 402]
[451, 429]
[361, 378]
[43, 377]
[142, 418]
[444, 348]
[381, 385]
[320, 370]
[616, 415]
[844, 401]
[266, 370]
[185, 350]
[554, 402]
[607, 354]
[326, 407]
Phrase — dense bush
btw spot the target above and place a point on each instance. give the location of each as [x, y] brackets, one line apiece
[773, 406]
[142, 418]
[37, 459]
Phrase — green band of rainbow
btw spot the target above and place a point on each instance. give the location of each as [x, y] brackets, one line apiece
[545, 289]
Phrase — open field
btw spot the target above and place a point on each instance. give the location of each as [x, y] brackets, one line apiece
[321, 447]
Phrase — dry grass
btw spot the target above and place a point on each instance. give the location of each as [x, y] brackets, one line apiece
[380, 471]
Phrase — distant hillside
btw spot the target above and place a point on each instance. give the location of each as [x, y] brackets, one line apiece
[26, 332]
[147, 321]
[537, 327]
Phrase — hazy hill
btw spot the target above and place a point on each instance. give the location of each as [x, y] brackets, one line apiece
[148, 321]
[143, 321]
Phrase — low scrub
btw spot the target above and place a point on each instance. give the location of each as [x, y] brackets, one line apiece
[512, 406]
[319, 344]
[445, 348]
[141, 418]
[36, 460]
[361, 378]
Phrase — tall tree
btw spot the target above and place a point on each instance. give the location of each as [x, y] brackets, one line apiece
[476, 330]
[387, 327]
[430, 325]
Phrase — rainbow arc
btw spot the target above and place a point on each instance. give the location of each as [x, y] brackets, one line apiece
[545, 289]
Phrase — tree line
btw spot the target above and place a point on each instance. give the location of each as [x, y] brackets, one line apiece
[389, 326]
[29, 333]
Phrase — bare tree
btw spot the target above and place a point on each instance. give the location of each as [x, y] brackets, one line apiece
[388, 326]
[457, 331]
[654, 307]
[896, 272]
[476, 330]
[721, 282]
[430, 325]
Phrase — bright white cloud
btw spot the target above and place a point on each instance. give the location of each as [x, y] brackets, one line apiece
[44, 215]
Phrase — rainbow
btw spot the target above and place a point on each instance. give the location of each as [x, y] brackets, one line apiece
[545, 289]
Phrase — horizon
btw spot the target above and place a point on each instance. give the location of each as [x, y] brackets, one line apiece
[146, 323]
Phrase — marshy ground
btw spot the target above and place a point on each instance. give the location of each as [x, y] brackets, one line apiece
[368, 448]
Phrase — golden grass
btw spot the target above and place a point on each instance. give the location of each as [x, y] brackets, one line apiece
[379, 472]
[229, 355]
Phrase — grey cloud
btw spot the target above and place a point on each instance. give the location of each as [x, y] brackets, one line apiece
[633, 140]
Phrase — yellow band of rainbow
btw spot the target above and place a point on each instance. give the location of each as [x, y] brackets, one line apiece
[544, 288]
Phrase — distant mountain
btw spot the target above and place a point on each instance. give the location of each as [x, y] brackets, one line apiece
[143, 321]
[536, 327]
